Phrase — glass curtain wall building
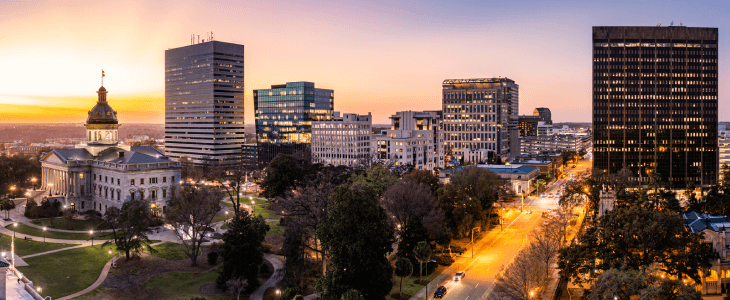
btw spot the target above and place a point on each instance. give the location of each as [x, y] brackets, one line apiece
[477, 113]
[655, 103]
[204, 102]
[284, 116]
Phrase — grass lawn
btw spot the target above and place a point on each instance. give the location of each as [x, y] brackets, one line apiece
[66, 272]
[97, 293]
[25, 229]
[170, 251]
[267, 214]
[274, 228]
[221, 216]
[409, 285]
[80, 225]
[23, 247]
[180, 285]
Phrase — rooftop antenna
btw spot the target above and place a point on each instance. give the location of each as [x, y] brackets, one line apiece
[198, 39]
[211, 35]
[680, 23]
[671, 24]
[659, 25]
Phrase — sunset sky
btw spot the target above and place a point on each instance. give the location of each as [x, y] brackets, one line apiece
[378, 56]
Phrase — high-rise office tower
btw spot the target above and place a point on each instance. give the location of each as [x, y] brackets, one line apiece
[204, 102]
[655, 103]
[477, 113]
[284, 116]
[544, 113]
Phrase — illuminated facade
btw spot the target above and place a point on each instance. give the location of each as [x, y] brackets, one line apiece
[284, 116]
[100, 173]
[204, 102]
[344, 141]
[414, 139]
[655, 102]
[477, 113]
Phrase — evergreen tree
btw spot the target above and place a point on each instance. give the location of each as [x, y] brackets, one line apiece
[242, 251]
[357, 235]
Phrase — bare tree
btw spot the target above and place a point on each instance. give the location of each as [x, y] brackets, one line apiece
[409, 199]
[545, 245]
[69, 214]
[237, 286]
[521, 279]
[307, 206]
[190, 212]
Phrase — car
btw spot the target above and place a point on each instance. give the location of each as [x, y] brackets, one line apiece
[459, 275]
[544, 195]
[440, 292]
[572, 175]
[550, 196]
[562, 186]
[546, 222]
[529, 212]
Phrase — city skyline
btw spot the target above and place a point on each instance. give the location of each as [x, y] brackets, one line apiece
[405, 50]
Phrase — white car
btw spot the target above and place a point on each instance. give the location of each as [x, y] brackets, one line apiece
[459, 275]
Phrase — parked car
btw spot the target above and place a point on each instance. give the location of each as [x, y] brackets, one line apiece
[459, 275]
[550, 196]
[440, 292]
[543, 195]
[529, 212]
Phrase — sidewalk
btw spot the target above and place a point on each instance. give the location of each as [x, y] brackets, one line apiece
[278, 274]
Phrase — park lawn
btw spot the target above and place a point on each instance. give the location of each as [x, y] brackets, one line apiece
[24, 247]
[95, 294]
[76, 224]
[265, 213]
[81, 236]
[66, 272]
[222, 216]
[170, 251]
[274, 228]
[410, 287]
[181, 285]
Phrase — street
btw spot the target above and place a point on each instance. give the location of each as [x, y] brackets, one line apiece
[496, 250]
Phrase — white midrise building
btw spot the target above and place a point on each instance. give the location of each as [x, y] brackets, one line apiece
[415, 139]
[344, 141]
[101, 173]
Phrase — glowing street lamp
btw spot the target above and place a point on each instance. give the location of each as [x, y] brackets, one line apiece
[472, 241]
[44, 234]
[91, 232]
[111, 253]
[50, 186]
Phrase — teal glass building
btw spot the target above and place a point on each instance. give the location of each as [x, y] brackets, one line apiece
[284, 116]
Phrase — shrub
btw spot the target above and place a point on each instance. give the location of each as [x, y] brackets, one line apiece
[298, 297]
[266, 248]
[444, 260]
[264, 268]
[212, 257]
[291, 292]
[457, 249]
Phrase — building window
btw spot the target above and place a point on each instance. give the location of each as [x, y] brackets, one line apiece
[154, 194]
[172, 179]
[119, 181]
[164, 193]
[164, 179]
[94, 179]
[153, 179]
[131, 195]
[106, 179]
[119, 194]
[132, 182]
[141, 181]
[141, 195]
[81, 175]
[82, 189]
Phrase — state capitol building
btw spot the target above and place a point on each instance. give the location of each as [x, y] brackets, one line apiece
[101, 173]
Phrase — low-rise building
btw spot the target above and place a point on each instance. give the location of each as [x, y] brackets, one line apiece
[555, 143]
[546, 166]
[415, 139]
[716, 231]
[343, 141]
[519, 177]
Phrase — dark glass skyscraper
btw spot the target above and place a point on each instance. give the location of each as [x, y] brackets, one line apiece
[655, 102]
[284, 115]
[204, 102]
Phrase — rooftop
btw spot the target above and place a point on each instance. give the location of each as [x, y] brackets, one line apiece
[697, 222]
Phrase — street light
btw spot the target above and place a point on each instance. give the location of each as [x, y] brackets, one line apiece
[33, 180]
[472, 241]
[110, 253]
[501, 221]
[50, 186]
[91, 232]
[44, 234]
[15, 226]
